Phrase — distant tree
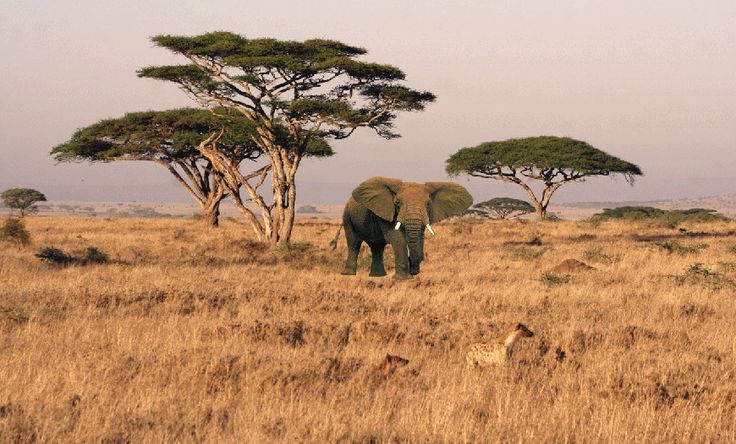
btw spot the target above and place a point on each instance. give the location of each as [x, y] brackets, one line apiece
[554, 161]
[502, 208]
[298, 95]
[175, 139]
[22, 199]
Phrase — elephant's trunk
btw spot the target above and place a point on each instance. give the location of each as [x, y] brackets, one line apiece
[414, 227]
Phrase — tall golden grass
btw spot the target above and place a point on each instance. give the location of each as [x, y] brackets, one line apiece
[193, 335]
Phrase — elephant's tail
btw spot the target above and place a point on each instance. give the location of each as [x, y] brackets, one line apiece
[333, 242]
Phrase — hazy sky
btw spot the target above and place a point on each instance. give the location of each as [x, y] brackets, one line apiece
[653, 82]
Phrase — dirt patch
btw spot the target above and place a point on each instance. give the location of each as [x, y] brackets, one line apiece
[571, 266]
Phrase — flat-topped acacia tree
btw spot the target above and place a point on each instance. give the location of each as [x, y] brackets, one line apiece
[554, 161]
[502, 208]
[174, 139]
[314, 90]
[22, 199]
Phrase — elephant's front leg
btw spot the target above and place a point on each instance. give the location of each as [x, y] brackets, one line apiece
[398, 243]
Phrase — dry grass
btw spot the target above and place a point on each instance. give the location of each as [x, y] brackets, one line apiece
[190, 335]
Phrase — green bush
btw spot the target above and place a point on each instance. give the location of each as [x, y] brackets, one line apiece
[14, 230]
[697, 274]
[669, 218]
[55, 256]
[678, 248]
[95, 256]
[58, 256]
[629, 213]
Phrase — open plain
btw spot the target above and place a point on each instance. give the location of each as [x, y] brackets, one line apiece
[191, 334]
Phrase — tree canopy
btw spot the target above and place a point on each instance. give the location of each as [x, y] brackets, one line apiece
[551, 160]
[22, 199]
[296, 94]
[157, 135]
[170, 138]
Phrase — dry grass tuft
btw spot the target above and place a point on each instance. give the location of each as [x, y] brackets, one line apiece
[191, 335]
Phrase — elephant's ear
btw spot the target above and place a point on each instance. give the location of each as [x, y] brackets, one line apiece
[448, 199]
[377, 194]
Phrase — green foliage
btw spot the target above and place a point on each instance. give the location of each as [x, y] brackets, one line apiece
[678, 248]
[544, 157]
[316, 87]
[54, 256]
[94, 256]
[22, 199]
[14, 230]
[629, 213]
[698, 274]
[554, 279]
[552, 160]
[160, 135]
[669, 218]
[58, 256]
[502, 208]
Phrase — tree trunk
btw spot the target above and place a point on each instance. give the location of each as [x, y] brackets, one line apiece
[541, 211]
[211, 213]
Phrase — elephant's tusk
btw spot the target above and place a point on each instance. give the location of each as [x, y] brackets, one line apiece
[398, 224]
[429, 227]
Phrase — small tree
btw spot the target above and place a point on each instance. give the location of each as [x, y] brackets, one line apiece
[22, 199]
[502, 208]
[296, 94]
[554, 161]
[175, 139]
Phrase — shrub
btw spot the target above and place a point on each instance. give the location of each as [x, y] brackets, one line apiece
[678, 248]
[14, 230]
[628, 213]
[668, 218]
[697, 273]
[54, 256]
[95, 256]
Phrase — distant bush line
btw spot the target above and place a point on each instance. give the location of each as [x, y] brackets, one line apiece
[669, 218]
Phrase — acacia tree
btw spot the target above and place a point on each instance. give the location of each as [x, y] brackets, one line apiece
[296, 94]
[174, 139]
[554, 161]
[22, 199]
[502, 208]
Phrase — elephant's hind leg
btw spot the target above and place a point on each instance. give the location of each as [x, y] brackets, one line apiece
[377, 268]
[353, 241]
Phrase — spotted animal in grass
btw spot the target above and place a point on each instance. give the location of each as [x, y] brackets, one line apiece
[484, 354]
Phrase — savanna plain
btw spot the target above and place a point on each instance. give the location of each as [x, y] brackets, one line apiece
[189, 334]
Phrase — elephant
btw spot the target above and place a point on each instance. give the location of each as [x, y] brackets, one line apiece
[389, 211]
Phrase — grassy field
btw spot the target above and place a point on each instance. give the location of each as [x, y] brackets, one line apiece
[191, 335]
